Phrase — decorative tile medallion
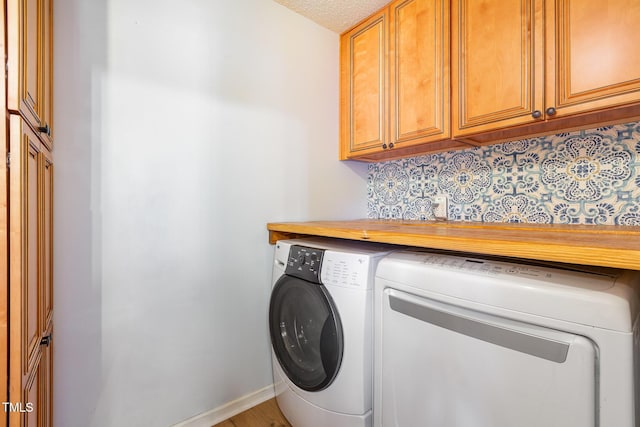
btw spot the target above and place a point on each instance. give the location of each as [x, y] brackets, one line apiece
[583, 177]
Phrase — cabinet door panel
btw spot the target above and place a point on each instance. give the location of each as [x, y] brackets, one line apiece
[497, 61]
[25, 58]
[596, 61]
[363, 84]
[47, 239]
[32, 289]
[47, 73]
[419, 70]
[31, 66]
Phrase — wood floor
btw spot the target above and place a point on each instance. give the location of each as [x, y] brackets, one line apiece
[266, 414]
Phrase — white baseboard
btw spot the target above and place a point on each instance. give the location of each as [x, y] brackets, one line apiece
[228, 410]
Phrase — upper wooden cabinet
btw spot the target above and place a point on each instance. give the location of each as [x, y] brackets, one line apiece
[497, 63]
[547, 65]
[593, 59]
[363, 83]
[519, 68]
[394, 82]
[29, 66]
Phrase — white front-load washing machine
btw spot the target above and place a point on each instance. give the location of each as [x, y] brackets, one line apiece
[476, 342]
[321, 327]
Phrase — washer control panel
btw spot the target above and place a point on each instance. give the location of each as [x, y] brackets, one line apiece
[347, 270]
[304, 263]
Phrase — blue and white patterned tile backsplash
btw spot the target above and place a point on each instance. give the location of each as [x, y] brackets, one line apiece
[583, 177]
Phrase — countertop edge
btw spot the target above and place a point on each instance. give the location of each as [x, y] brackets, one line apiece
[605, 246]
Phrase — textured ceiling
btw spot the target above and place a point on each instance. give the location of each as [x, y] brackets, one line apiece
[336, 15]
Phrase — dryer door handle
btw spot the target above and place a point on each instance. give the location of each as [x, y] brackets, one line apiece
[545, 348]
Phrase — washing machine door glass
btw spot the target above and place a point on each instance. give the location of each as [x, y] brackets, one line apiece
[306, 333]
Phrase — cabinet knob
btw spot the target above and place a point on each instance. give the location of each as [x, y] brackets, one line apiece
[391, 145]
[384, 146]
[45, 129]
[46, 340]
[551, 111]
[536, 114]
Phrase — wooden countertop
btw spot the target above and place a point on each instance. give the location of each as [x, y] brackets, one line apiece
[598, 245]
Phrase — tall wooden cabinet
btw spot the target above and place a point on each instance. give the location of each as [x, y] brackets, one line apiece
[523, 62]
[394, 82]
[26, 322]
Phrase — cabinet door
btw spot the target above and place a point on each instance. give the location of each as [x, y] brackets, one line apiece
[419, 71]
[363, 82]
[46, 171]
[30, 179]
[31, 307]
[46, 259]
[29, 44]
[596, 60]
[47, 73]
[497, 64]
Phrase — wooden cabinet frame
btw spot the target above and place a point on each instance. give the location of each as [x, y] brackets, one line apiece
[26, 213]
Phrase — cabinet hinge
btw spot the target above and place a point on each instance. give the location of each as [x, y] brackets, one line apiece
[8, 159]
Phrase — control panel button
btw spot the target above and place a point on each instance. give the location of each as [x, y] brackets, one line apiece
[305, 263]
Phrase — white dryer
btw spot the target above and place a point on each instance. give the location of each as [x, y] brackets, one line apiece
[470, 342]
[321, 327]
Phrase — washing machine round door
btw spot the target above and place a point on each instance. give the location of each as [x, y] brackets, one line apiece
[306, 333]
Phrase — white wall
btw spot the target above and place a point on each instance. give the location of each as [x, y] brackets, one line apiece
[181, 129]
